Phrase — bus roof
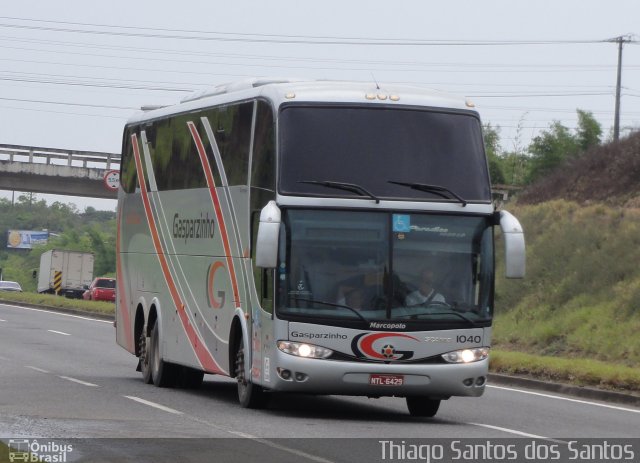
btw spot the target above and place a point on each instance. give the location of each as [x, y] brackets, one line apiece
[280, 90]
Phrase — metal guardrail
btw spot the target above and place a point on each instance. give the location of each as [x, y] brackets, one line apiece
[53, 156]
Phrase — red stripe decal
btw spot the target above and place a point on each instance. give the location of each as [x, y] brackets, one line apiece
[204, 356]
[122, 299]
[216, 205]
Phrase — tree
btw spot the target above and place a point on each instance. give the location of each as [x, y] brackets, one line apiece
[492, 147]
[94, 231]
[589, 130]
[557, 144]
[550, 149]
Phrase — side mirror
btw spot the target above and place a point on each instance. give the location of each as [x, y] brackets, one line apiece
[268, 234]
[514, 247]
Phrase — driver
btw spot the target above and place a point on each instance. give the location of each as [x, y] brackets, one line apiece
[425, 293]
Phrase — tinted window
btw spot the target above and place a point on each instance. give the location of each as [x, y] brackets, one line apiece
[263, 162]
[128, 177]
[371, 146]
[106, 283]
[231, 127]
[176, 162]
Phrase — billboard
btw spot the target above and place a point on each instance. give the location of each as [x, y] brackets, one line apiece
[26, 239]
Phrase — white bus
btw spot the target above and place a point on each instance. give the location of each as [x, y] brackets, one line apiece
[314, 237]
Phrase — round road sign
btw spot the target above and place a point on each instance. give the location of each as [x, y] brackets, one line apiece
[112, 180]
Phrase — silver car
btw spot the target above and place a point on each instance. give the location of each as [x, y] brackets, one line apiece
[10, 286]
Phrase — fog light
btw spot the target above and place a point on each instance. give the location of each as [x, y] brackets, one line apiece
[284, 373]
[468, 382]
[300, 376]
[480, 381]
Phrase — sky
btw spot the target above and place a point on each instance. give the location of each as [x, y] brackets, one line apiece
[72, 72]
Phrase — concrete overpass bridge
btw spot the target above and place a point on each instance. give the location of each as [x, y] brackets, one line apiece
[56, 171]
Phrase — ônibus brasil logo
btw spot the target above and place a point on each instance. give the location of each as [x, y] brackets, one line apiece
[379, 346]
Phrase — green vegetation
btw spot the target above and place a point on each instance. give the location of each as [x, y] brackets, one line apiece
[581, 296]
[91, 231]
[49, 300]
[548, 150]
[582, 372]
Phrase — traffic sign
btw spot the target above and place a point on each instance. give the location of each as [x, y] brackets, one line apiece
[112, 179]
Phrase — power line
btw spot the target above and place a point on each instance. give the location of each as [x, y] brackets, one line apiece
[278, 38]
[40, 110]
[66, 103]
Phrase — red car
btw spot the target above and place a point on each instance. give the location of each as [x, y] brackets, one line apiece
[101, 289]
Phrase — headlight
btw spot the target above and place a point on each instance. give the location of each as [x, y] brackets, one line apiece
[301, 349]
[466, 355]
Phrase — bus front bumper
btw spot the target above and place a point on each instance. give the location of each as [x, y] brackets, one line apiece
[317, 376]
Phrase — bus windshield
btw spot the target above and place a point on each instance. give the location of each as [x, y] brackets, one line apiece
[380, 266]
[372, 147]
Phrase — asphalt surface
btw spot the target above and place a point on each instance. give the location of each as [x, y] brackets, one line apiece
[63, 377]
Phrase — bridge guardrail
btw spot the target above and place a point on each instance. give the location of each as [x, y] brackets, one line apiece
[53, 156]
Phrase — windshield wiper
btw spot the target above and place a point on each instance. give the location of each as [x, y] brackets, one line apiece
[344, 186]
[316, 301]
[464, 317]
[435, 189]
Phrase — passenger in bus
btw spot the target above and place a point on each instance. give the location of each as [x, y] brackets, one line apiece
[426, 292]
[352, 297]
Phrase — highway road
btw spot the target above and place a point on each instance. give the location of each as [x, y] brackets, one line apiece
[64, 377]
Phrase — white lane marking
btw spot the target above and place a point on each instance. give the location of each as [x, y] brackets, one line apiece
[263, 441]
[59, 332]
[1, 320]
[549, 396]
[511, 431]
[36, 369]
[296, 452]
[154, 405]
[84, 383]
[58, 313]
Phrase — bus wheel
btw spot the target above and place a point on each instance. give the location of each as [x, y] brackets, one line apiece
[162, 373]
[423, 406]
[145, 366]
[249, 395]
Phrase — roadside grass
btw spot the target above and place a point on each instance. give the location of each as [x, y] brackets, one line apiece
[49, 300]
[576, 315]
[578, 371]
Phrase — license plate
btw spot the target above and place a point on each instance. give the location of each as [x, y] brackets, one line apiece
[386, 380]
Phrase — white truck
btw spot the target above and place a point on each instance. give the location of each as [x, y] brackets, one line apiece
[65, 273]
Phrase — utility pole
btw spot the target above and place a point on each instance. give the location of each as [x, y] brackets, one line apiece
[616, 120]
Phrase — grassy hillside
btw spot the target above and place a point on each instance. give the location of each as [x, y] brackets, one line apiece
[581, 296]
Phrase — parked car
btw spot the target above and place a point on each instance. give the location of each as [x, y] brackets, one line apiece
[101, 289]
[10, 286]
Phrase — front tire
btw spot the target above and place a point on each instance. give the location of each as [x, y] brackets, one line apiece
[163, 373]
[249, 395]
[423, 406]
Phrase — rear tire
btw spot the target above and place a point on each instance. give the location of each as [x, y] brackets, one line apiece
[163, 373]
[145, 367]
[423, 406]
[249, 395]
